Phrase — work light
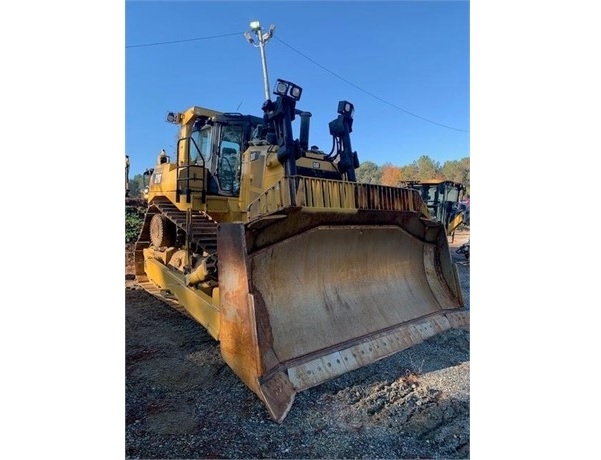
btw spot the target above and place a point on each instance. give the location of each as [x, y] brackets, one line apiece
[173, 117]
[286, 88]
[346, 108]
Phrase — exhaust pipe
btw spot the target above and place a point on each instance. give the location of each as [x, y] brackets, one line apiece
[304, 129]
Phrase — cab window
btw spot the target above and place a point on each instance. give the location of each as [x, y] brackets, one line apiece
[230, 158]
[201, 146]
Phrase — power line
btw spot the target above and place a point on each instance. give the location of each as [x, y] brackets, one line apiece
[182, 41]
[314, 62]
[367, 92]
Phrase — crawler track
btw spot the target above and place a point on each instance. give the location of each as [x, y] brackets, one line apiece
[203, 237]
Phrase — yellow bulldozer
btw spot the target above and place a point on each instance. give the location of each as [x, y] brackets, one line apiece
[300, 272]
[444, 201]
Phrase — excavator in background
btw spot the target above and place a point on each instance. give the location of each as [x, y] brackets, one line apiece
[300, 272]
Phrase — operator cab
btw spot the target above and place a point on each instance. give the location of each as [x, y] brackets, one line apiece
[217, 144]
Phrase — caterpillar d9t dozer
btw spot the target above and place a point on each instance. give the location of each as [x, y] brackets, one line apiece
[301, 273]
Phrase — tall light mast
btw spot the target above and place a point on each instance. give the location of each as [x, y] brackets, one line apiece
[263, 38]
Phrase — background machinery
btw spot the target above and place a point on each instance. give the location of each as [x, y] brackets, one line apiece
[444, 201]
[301, 273]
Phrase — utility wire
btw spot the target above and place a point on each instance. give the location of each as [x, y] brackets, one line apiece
[367, 92]
[182, 41]
[314, 62]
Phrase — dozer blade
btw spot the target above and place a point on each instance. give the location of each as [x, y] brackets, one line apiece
[311, 296]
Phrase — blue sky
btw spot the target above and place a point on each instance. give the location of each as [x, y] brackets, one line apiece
[404, 65]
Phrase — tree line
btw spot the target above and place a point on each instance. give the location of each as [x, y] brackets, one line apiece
[422, 169]
[136, 184]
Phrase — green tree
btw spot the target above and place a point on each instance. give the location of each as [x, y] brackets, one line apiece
[422, 169]
[136, 184]
[458, 171]
[428, 169]
[410, 173]
[368, 173]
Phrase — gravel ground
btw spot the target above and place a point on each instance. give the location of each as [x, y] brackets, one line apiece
[183, 402]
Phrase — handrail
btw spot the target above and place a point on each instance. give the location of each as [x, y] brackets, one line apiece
[186, 179]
